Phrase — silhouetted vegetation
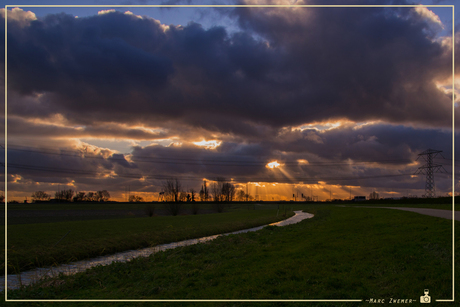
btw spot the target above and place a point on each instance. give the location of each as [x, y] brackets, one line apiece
[240, 195]
[68, 196]
[149, 210]
[223, 192]
[64, 195]
[195, 208]
[80, 196]
[204, 193]
[135, 199]
[40, 196]
[172, 189]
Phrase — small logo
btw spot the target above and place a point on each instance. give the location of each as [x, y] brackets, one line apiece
[425, 298]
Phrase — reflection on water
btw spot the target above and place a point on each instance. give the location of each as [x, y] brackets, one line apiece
[26, 278]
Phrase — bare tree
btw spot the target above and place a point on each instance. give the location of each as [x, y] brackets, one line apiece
[217, 188]
[222, 191]
[204, 193]
[240, 195]
[232, 192]
[64, 195]
[80, 196]
[183, 196]
[135, 199]
[228, 191]
[40, 196]
[172, 189]
[102, 196]
[58, 196]
[149, 210]
[192, 194]
[90, 196]
[173, 192]
[249, 197]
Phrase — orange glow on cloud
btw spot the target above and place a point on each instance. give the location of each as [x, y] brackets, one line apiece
[208, 144]
[273, 164]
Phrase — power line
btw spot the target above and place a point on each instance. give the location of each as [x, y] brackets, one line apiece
[202, 162]
[160, 177]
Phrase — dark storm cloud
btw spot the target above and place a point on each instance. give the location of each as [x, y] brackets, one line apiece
[107, 75]
[285, 67]
[361, 63]
[85, 169]
[230, 160]
[74, 58]
[376, 142]
[46, 128]
[120, 159]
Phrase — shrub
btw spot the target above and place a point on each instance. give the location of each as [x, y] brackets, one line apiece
[195, 208]
[149, 210]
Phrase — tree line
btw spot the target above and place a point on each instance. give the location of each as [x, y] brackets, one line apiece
[218, 191]
[70, 195]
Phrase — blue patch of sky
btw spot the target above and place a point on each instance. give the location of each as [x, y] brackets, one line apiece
[122, 146]
[207, 17]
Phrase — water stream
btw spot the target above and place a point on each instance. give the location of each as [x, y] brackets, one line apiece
[29, 277]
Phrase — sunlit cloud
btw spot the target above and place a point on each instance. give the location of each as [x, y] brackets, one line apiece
[429, 15]
[273, 164]
[175, 144]
[16, 178]
[54, 120]
[22, 17]
[166, 142]
[362, 125]
[208, 144]
[326, 126]
[131, 13]
[102, 12]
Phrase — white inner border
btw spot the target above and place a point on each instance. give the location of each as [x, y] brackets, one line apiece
[197, 6]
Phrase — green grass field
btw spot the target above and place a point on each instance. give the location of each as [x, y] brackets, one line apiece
[342, 253]
[36, 245]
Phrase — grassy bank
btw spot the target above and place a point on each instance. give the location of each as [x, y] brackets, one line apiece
[46, 244]
[342, 253]
[443, 203]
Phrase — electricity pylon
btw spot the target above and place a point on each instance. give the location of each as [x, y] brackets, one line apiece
[429, 169]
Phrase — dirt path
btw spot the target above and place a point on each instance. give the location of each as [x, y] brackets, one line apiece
[446, 214]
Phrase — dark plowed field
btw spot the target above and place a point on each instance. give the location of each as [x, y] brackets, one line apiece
[50, 216]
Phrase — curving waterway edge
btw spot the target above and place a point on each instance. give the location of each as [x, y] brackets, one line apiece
[29, 277]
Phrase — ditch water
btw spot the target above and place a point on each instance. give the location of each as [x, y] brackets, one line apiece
[29, 277]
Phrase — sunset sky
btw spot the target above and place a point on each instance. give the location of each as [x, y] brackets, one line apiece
[342, 99]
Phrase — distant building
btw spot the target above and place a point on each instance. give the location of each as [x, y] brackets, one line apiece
[359, 198]
[374, 195]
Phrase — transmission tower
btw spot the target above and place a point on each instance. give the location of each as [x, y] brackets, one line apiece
[429, 169]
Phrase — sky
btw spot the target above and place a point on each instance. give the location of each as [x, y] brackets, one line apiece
[122, 99]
